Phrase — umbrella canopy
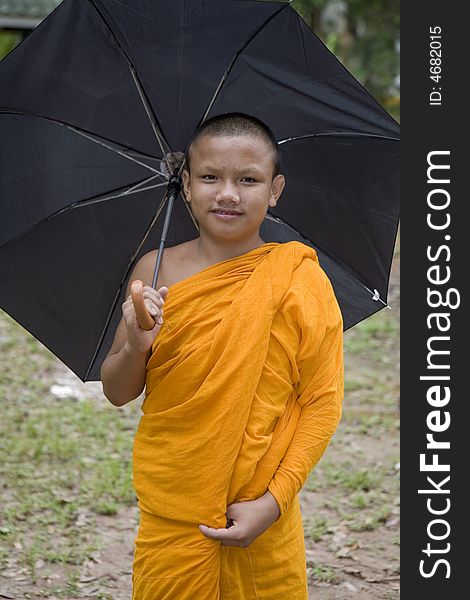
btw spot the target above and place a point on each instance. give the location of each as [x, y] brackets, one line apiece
[93, 99]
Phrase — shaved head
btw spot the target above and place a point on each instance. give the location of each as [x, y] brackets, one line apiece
[232, 125]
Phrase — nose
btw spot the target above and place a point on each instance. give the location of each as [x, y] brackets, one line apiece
[228, 193]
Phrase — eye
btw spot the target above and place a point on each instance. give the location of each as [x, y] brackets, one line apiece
[248, 180]
[208, 177]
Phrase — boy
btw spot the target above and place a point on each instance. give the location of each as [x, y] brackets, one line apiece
[244, 381]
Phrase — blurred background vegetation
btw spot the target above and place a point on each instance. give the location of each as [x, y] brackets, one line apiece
[365, 37]
[363, 34]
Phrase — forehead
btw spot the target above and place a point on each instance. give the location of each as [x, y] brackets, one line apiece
[233, 150]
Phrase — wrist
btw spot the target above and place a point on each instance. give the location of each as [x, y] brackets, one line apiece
[271, 502]
[132, 352]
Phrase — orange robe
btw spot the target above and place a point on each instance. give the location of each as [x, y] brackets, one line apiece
[243, 393]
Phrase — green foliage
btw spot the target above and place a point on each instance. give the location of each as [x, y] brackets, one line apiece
[8, 40]
[364, 35]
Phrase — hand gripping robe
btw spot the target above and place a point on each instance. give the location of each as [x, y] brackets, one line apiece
[243, 393]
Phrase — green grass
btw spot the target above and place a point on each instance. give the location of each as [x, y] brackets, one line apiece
[322, 573]
[374, 425]
[344, 475]
[370, 521]
[315, 527]
[63, 461]
[373, 335]
[352, 385]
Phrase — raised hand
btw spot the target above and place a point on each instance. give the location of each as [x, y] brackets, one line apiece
[143, 315]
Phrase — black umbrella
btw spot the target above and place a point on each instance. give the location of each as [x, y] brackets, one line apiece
[93, 99]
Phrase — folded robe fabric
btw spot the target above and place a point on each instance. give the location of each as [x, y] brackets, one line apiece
[243, 393]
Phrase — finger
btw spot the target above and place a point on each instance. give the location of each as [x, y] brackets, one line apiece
[163, 292]
[224, 535]
[155, 311]
[151, 290]
[154, 296]
[151, 306]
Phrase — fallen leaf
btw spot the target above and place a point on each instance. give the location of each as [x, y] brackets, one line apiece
[88, 579]
[353, 572]
[382, 579]
[392, 522]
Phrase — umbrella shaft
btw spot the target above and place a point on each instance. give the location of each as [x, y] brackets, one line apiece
[173, 190]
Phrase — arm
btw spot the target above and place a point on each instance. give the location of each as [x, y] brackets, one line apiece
[123, 370]
[123, 373]
[320, 388]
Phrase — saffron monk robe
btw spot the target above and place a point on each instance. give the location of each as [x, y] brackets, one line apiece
[243, 373]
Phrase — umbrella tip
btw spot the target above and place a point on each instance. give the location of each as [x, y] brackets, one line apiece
[376, 297]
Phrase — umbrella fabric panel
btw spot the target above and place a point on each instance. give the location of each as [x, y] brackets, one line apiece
[287, 77]
[354, 300]
[46, 167]
[341, 193]
[181, 230]
[71, 69]
[181, 51]
[72, 268]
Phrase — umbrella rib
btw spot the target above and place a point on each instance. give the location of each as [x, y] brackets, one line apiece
[236, 55]
[375, 294]
[94, 200]
[337, 134]
[92, 138]
[137, 185]
[148, 109]
[120, 152]
[124, 277]
[150, 115]
[129, 191]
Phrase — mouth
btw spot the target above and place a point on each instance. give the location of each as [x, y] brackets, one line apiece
[226, 212]
[226, 215]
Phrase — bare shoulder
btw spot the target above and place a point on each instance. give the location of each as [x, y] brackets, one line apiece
[176, 262]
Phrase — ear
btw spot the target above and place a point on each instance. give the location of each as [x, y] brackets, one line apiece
[187, 185]
[277, 186]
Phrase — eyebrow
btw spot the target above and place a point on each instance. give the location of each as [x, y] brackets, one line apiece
[249, 169]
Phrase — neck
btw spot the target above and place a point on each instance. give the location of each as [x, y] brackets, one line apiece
[212, 251]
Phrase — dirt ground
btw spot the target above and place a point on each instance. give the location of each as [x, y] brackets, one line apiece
[350, 503]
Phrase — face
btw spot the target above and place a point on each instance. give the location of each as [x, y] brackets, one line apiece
[231, 185]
